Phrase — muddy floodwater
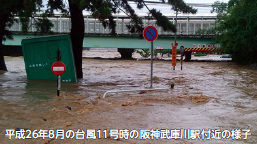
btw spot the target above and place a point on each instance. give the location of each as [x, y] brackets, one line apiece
[219, 97]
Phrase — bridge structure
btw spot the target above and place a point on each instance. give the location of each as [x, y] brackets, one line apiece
[96, 36]
[187, 24]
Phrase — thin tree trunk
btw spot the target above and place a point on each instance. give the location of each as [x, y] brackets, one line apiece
[77, 35]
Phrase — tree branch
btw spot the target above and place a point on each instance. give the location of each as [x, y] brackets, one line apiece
[146, 6]
[121, 9]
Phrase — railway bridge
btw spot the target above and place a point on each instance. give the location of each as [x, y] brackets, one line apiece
[192, 30]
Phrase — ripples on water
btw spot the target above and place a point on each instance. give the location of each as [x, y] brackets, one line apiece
[231, 92]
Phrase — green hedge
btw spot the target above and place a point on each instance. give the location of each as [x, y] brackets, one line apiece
[200, 54]
[146, 52]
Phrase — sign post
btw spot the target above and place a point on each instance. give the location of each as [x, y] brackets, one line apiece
[150, 34]
[58, 68]
[151, 85]
[182, 53]
[174, 55]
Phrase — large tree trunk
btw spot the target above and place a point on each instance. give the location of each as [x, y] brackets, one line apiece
[2, 62]
[77, 35]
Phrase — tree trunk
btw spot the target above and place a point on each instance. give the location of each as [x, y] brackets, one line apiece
[77, 35]
[2, 62]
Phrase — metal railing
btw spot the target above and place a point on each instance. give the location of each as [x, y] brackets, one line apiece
[186, 25]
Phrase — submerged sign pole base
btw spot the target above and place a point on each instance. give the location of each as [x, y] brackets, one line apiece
[58, 85]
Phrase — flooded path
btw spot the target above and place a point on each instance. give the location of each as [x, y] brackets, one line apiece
[219, 96]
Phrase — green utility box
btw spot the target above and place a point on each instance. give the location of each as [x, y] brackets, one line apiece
[41, 52]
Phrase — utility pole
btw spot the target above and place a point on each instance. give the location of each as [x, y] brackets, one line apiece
[176, 22]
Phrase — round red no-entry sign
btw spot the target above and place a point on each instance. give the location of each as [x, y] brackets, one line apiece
[58, 68]
[150, 33]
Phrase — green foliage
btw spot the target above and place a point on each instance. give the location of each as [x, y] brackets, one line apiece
[200, 54]
[237, 31]
[101, 10]
[205, 31]
[144, 53]
[219, 7]
[163, 21]
[53, 5]
[24, 9]
[136, 23]
[180, 5]
[8, 8]
[166, 51]
[178, 51]
[163, 51]
[43, 25]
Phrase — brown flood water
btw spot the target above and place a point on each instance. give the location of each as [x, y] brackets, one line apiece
[207, 95]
